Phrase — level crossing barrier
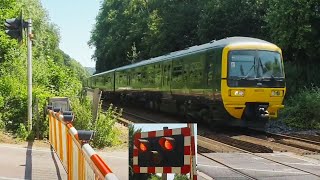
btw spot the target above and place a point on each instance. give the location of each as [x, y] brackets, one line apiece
[76, 155]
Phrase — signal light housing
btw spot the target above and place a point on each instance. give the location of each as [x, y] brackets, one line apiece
[156, 157]
[169, 149]
[143, 145]
[15, 26]
[167, 143]
[161, 151]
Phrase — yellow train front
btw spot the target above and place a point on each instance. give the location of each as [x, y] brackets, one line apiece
[252, 80]
[239, 77]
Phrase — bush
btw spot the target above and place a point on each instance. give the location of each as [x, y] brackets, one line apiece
[22, 132]
[302, 109]
[83, 115]
[106, 134]
[180, 177]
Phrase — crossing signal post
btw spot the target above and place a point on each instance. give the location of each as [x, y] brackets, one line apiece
[165, 151]
[14, 28]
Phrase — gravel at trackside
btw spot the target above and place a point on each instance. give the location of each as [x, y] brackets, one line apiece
[278, 126]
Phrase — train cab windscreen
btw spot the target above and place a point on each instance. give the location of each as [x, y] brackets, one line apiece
[255, 68]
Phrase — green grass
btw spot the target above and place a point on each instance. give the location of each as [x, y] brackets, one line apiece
[302, 110]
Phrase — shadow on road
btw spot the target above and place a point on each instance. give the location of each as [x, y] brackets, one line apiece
[55, 163]
[28, 168]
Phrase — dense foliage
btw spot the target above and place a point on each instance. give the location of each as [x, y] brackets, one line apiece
[302, 109]
[127, 31]
[54, 72]
[156, 27]
[106, 134]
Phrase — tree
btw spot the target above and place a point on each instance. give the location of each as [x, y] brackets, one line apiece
[294, 25]
[226, 18]
[54, 72]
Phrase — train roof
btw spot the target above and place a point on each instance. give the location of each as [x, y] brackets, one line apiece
[191, 50]
[105, 72]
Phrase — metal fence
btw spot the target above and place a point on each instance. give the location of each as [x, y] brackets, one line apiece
[77, 156]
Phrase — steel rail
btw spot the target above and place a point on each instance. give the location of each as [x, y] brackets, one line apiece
[248, 152]
[293, 138]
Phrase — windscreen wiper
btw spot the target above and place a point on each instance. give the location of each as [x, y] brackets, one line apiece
[246, 76]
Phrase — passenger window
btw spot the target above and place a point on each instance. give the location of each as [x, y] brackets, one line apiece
[177, 71]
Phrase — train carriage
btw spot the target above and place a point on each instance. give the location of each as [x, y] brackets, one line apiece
[237, 77]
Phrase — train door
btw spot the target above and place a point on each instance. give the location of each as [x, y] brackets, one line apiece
[210, 68]
[129, 77]
[213, 62]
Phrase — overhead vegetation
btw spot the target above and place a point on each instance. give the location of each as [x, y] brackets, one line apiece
[54, 72]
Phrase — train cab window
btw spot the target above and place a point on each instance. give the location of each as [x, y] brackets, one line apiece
[242, 64]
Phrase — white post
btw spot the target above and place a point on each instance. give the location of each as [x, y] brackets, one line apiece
[29, 36]
[193, 170]
[164, 175]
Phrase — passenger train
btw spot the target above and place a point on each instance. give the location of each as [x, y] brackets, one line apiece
[238, 78]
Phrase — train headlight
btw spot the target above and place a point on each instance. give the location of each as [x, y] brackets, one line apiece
[277, 93]
[237, 92]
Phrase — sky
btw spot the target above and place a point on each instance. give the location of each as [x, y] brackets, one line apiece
[75, 19]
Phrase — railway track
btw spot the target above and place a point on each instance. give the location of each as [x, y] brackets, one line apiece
[250, 143]
[311, 139]
[300, 137]
[309, 143]
[208, 143]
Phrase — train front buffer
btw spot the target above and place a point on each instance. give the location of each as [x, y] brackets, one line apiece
[253, 103]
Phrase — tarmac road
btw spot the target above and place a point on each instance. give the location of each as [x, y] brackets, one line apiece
[19, 162]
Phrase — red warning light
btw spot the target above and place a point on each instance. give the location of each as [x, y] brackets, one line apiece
[142, 145]
[167, 143]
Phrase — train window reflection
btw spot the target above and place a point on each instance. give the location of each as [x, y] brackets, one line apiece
[247, 64]
[269, 64]
[241, 65]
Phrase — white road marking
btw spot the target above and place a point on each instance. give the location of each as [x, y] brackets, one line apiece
[23, 148]
[7, 178]
[204, 175]
[117, 157]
